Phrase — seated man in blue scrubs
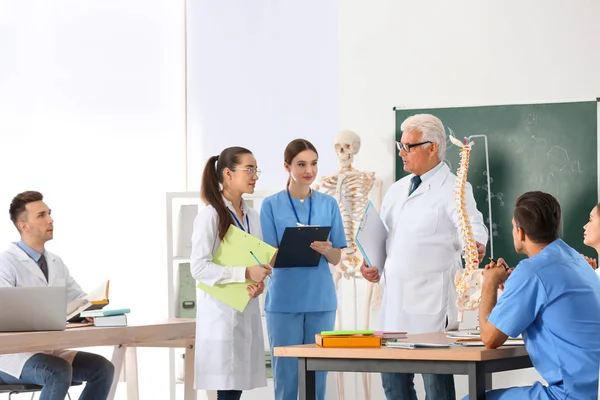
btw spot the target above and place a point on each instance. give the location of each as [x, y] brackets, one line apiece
[552, 298]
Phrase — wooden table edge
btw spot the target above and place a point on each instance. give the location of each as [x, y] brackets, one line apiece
[473, 354]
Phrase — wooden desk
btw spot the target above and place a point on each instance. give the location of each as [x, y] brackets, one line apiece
[174, 333]
[476, 362]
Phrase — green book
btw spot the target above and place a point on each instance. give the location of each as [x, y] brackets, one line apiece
[345, 333]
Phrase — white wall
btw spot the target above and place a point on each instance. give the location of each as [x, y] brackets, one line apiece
[92, 115]
[261, 74]
[438, 53]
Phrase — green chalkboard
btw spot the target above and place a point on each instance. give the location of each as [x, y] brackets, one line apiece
[547, 147]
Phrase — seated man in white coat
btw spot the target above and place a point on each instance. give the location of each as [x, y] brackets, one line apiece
[27, 263]
[423, 249]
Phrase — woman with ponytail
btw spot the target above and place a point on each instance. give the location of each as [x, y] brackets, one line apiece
[301, 301]
[230, 355]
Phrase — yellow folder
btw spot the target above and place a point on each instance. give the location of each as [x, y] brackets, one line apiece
[234, 251]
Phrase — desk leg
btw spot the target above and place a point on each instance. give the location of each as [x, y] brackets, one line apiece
[188, 386]
[306, 382]
[488, 382]
[117, 359]
[477, 382]
[131, 374]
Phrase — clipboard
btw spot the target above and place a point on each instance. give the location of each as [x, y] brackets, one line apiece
[371, 237]
[294, 249]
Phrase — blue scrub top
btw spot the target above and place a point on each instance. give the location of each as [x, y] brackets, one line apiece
[301, 289]
[553, 299]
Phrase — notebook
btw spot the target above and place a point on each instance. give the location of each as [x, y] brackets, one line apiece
[416, 345]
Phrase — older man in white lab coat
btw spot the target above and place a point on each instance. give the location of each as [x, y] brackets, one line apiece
[423, 249]
[27, 263]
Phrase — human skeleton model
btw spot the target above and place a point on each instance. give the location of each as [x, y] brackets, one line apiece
[467, 283]
[351, 189]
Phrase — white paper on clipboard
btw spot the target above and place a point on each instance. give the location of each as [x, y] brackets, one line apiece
[371, 237]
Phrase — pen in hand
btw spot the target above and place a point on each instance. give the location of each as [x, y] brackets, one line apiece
[496, 262]
[259, 263]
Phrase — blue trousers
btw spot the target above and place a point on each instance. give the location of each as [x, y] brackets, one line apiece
[535, 392]
[402, 386]
[288, 329]
[56, 375]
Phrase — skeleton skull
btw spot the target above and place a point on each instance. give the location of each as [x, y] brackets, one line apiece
[347, 145]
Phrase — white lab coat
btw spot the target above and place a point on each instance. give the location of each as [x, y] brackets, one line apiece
[230, 350]
[18, 269]
[423, 253]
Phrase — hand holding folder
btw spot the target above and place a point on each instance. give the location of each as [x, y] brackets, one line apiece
[371, 237]
[238, 249]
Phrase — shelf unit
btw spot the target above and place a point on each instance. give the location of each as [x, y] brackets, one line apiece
[182, 207]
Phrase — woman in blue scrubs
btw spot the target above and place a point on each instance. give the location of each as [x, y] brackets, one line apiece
[301, 301]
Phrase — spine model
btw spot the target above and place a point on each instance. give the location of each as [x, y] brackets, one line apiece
[467, 282]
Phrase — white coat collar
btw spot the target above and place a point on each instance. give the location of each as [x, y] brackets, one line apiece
[29, 264]
[229, 205]
[437, 179]
[21, 255]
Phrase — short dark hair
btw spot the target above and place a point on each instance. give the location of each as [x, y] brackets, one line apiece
[539, 215]
[20, 201]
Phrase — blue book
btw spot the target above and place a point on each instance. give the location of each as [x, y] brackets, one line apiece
[104, 313]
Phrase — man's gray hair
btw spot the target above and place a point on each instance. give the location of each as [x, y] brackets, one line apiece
[432, 129]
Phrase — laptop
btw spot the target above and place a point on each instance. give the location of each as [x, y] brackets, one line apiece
[39, 308]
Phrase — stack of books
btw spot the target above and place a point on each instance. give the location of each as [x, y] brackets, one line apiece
[347, 339]
[388, 337]
[105, 317]
[95, 300]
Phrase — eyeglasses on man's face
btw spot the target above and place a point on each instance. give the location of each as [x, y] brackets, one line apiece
[250, 170]
[407, 146]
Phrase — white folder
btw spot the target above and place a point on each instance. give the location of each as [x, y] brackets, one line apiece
[370, 238]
